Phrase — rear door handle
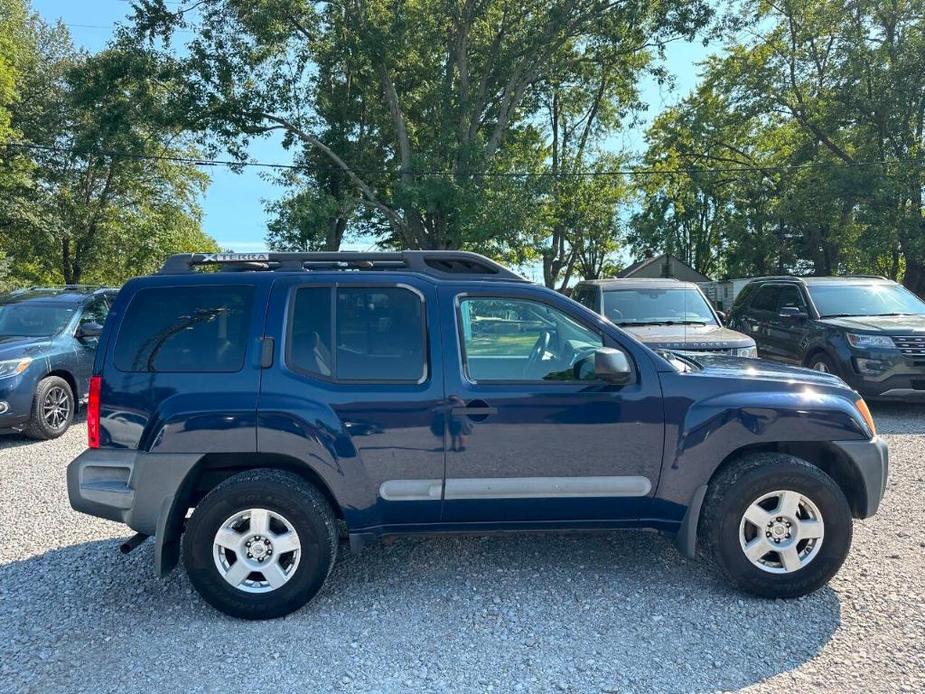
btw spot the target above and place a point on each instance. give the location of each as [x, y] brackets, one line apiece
[476, 410]
[470, 411]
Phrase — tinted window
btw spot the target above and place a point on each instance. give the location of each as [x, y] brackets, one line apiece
[790, 296]
[766, 298]
[586, 296]
[379, 334]
[95, 312]
[33, 319]
[657, 306]
[310, 336]
[185, 329]
[522, 340]
[875, 299]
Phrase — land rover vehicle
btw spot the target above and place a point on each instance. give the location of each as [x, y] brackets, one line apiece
[664, 314]
[48, 337]
[255, 414]
[869, 331]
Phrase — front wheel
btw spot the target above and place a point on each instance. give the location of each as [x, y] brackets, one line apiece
[52, 409]
[777, 526]
[260, 545]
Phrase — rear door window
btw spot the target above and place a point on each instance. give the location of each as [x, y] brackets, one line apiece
[185, 329]
[377, 334]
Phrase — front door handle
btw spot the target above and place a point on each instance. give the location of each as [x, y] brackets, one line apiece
[477, 410]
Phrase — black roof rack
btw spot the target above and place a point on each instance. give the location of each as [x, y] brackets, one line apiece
[811, 278]
[441, 264]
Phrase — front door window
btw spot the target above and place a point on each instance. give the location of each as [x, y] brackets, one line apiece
[511, 340]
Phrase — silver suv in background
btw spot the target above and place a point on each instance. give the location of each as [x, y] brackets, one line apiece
[664, 314]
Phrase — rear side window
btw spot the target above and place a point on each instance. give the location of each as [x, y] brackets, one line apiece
[180, 329]
[377, 334]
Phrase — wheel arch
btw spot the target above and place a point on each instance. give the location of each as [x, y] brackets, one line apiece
[822, 455]
[210, 471]
[68, 377]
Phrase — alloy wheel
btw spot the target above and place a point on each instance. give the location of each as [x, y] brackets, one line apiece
[56, 407]
[781, 532]
[257, 550]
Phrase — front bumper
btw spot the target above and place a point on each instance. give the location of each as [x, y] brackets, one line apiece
[16, 402]
[870, 463]
[136, 488]
[895, 378]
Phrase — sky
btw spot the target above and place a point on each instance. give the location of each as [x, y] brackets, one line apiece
[234, 204]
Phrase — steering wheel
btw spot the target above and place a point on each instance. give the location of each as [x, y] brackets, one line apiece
[537, 352]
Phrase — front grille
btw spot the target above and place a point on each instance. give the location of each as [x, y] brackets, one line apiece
[708, 350]
[911, 345]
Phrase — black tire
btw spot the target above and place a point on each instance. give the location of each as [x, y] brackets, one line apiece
[747, 480]
[41, 425]
[302, 505]
[824, 360]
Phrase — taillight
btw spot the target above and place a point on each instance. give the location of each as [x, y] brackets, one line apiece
[93, 412]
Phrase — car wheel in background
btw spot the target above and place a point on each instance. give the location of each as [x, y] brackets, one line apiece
[261, 544]
[822, 362]
[52, 409]
[777, 526]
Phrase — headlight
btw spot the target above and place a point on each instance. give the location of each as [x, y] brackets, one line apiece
[883, 341]
[750, 352]
[14, 367]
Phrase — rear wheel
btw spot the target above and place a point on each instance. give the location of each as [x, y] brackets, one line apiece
[261, 544]
[52, 409]
[776, 525]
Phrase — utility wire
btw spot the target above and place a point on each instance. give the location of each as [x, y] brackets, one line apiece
[629, 171]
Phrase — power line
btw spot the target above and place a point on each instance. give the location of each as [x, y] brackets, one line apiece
[629, 171]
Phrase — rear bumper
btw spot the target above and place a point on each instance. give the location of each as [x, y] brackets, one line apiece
[870, 460]
[131, 487]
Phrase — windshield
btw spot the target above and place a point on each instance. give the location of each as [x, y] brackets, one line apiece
[33, 320]
[864, 300]
[657, 306]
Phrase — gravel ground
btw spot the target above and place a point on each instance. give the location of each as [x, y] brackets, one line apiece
[594, 613]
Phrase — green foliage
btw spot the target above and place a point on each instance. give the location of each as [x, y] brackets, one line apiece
[818, 119]
[413, 119]
[96, 196]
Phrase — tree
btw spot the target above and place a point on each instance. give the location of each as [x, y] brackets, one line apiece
[16, 51]
[436, 97]
[108, 194]
[851, 76]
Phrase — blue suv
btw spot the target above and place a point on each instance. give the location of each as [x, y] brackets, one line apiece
[48, 337]
[252, 416]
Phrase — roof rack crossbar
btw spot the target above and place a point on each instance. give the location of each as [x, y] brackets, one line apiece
[441, 264]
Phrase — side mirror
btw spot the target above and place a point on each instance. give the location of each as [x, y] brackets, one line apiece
[89, 329]
[612, 365]
[723, 317]
[792, 312]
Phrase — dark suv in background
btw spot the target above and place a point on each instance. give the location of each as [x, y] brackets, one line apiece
[47, 340]
[664, 314]
[289, 398]
[870, 331]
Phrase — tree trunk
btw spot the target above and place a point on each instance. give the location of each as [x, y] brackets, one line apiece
[914, 278]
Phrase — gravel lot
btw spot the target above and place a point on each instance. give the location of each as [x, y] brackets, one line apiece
[594, 613]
